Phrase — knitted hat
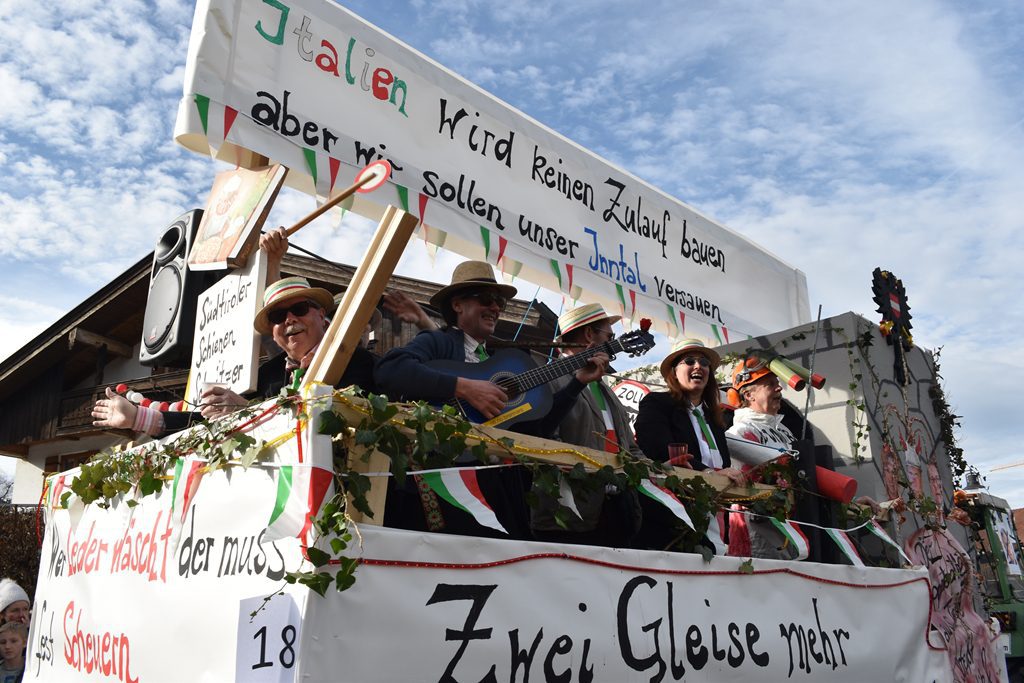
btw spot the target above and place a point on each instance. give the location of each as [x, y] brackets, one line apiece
[469, 275]
[583, 315]
[285, 290]
[11, 593]
[688, 346]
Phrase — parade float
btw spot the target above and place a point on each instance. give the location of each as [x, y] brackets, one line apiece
[252, 548]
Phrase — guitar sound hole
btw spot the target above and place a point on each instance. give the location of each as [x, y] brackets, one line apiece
[506, 380]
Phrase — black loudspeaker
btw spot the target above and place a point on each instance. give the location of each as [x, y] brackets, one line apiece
[173, 289]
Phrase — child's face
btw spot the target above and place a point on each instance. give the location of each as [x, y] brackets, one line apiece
[11, 645]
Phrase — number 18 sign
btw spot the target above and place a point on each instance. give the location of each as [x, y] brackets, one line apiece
[268, 643]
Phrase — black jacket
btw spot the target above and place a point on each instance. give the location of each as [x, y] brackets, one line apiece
[662, 420]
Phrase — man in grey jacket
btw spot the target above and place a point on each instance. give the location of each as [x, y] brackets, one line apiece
[596, 420]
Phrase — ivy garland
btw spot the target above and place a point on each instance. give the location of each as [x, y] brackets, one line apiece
[948, 422]
[414, 437]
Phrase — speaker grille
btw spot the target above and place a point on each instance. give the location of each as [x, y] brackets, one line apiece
[162, 309]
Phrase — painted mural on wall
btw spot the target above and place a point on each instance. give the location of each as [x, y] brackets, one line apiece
[968, 640]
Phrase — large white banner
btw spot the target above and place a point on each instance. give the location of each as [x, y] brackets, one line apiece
[309, 84]
[439, 608]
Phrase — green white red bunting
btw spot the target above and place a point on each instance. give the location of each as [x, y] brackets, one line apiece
[846, 546]
[666, 498]
[565, 496]
[563, 273]
[188, 472]
[877, 530]
[301, 491]
[54, 490]
[714, 534]
[459, 487]
[494, 247]
[627, 302]
[795, 537]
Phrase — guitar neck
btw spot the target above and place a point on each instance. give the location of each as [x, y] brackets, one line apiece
[563, 366]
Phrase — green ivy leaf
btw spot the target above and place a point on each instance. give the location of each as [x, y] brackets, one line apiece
[747, 566]
[366, 437]
[331, 423]
[318, 557]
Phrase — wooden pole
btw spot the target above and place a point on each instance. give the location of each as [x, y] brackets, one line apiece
[331, 203]
[361, 297]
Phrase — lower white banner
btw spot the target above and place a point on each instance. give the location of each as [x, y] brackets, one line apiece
[443, 608]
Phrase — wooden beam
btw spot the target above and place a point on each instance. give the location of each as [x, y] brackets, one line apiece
[376, 497]
[87, 338]
[349, 321]
[361, 297]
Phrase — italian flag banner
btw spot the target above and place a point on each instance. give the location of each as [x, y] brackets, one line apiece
[54, 490]
[459, 487]
[188, 472]
[563, 274]
[301, 491]
[666, 498]
[877, 530]
[565, 496]
[714, 534]
[845, 545]
[794, 536]
[494, 246]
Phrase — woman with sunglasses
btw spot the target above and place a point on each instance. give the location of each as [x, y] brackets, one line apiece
[687, 414]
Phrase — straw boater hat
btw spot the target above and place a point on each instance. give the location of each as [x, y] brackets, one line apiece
[286, 290]
[688, 346]
[469, 275]
[583, 315]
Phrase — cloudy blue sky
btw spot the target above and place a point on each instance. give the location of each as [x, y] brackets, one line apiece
[842, 135]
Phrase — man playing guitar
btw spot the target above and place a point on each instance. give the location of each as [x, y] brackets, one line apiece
[470, 305]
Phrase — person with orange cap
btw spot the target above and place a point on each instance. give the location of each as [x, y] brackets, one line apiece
[757, 395]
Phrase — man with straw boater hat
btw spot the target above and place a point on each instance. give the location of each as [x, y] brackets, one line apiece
[596, 420]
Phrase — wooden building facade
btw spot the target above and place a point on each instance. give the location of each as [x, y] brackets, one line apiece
[48, 387]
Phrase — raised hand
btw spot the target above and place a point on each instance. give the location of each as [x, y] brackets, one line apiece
[114, 411]
[275, 244]
[403, 305]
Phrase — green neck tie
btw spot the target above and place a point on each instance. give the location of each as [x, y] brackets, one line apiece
[481, 353]
[708, 438]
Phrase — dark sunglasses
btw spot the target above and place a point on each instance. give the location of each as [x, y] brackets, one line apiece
[298, 309]
[488, 298]
[692, 360]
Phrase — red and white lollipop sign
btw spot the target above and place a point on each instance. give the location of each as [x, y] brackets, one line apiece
[373, 176]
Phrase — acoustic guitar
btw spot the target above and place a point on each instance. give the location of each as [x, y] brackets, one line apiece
[525, 381]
